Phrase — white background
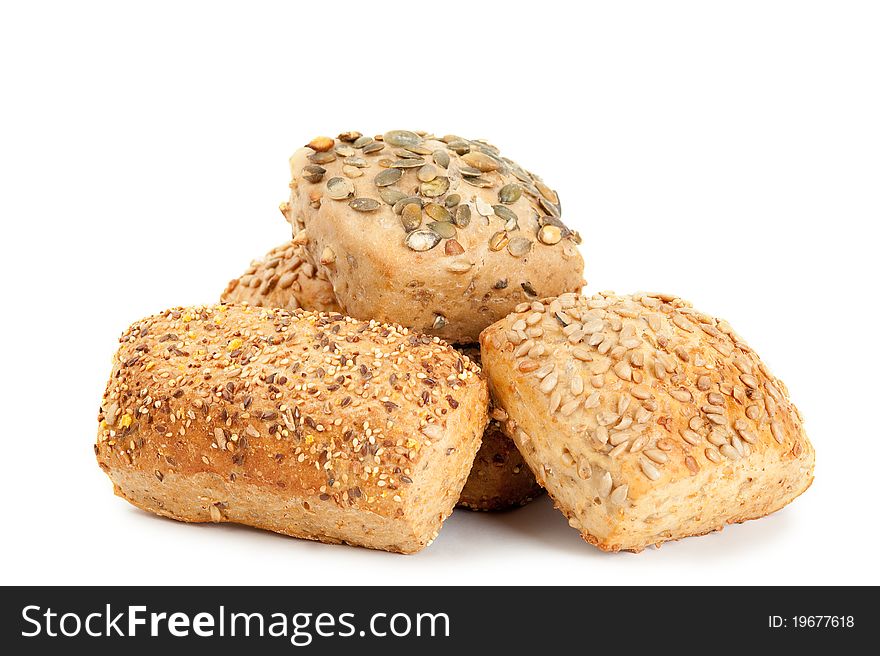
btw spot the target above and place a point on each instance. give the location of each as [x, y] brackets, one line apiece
[727, 152]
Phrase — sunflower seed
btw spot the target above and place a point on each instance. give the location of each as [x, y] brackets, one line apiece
[618, 496]
[510, 193]
[359, 162]
[452, 200]
[480, 161]
[434, 188]
[452, 247]
[427, 173]
[649, 469]
[322, 158]
[605, 485]
[412, 163]
[549, 234]
[498, 241]
[388, 177]
[389, 195]
[441, 158]
[373, 147]
[362, 141]
[691, 437]
[462, 216]
[519, 246]
[729, 452]
[364, 204]
[411, 216]
[339, 188]
[321, 144]
[528, 289]
[349, 136]
[483, 208]
[437, 212]
[442, 228]
[422, 240]
[402, 138]
[313, 172]
[776, 430]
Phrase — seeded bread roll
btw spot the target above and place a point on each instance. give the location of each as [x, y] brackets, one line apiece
[315, 426]
[441, 234]
[284, 278]
[499, 478]
[644, 419]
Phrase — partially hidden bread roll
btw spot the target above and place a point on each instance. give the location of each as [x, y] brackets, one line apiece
[644, 419]
[442, 234]
[283, 278]
[312, 425]
[500, 479]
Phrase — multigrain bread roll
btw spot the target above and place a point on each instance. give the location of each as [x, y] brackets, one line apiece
[644, 419]
[316, 426]
[499, 478]
[283, 278]
[441, 234]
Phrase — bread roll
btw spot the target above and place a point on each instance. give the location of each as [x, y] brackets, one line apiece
[644, 419]
[283, 278]
[477, 235]
[315, 426]
[500, 479]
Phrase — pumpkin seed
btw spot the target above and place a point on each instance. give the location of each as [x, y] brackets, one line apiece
[452, 200]
[419, 150]
[385, 163]
[427, 173]
[519, 246]
[461, 147]
[498, 241]
[321, 144]
[505, 213]
[480, 161]
[453, 247]
[549, 207]
[510, 193]
[350, 136]
[339, 188]
[462, 216]
[389, 195]
[313, 172]
[343, 150]
[322, 158]
[403, 202]
[442, 228]
[402, 138]
[362, 141]
[483, 208]
[547, 192]
[387, 177]
[412, 163]
[441, 158]
[422, 240]
[359, 162]
[549, 234]
[437, 212]
[351, 171]
[469, 171]
[478, 182]
[521, 175]
[434, 188]
[411, 216]
[364, 204]
[373, 147]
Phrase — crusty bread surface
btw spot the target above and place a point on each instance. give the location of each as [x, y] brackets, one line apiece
[645, 419]
[312, 425]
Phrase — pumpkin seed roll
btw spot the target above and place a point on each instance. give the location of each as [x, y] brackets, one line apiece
[645, 419]
[312, 425]
[442, 234]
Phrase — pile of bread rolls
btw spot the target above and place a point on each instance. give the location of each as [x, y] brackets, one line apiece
[422, 342]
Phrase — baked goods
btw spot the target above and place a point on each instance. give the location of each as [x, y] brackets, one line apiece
[313, 425]
[645, 419]
[441, 234]
[283, 278]
[499, 478]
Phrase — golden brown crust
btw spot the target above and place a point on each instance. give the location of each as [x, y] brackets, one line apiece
[645, 419]
[500, 479]
[283, 278]
[314, 425]
[453, 259]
